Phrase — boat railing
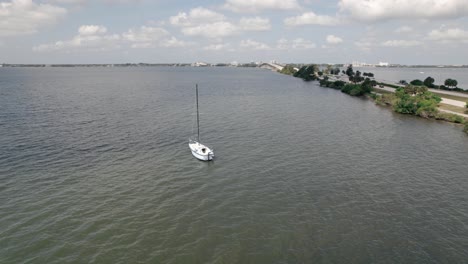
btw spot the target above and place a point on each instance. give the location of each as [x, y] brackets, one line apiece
[191, 140]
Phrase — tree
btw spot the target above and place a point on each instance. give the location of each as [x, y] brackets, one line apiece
[328, 69]
[307, 73]
[451, 83]
[417, 82]
[335, 71]
[349, 71]
[429, 82]
[367, 85]
[413, 90]
[356, 78]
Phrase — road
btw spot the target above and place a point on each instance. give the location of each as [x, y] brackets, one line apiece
[431, 90]
[444, 100]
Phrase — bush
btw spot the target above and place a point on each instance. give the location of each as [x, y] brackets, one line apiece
[325, 83]
[353, 89]
[341, 84]
[417, 82]
[306, 72]
[330, 84]
[288, 70]
[416, 101]
[466, 128]
[386, 99]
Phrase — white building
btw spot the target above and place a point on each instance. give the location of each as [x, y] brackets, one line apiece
[200, 64]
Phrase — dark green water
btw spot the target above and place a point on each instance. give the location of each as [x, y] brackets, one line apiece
[95, 168]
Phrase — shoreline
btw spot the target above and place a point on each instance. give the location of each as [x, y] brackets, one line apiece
[413, 100]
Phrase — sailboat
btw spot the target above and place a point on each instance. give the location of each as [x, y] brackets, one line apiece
[200, 151]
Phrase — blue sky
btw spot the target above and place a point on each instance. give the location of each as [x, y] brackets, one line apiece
[160, 31]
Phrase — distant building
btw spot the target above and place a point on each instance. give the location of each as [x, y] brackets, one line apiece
[361, 64]
[384, 64]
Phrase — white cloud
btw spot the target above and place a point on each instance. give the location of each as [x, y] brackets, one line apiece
[151, 37]
[450, 34]
[375, 10]
[404, 29]
[67, 1]
[251, 44]
[202, 22]
[82, 2]
[145, 34]
[401, 43]
[311, 18]
[94, 38]
[92, 30]
[88, 40]
[213, 30]
[254, 24]
[298, 43]
[174, 43]
[364, 44]
[219, 47]
[195, 17]
[249, 6]
[331, 39]
[20, 17]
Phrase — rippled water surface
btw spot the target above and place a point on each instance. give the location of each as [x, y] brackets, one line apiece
[95, 168]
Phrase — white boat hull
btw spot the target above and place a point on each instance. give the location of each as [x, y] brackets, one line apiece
[201, 151]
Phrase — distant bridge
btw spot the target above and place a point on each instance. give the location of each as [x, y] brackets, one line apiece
[271, 66]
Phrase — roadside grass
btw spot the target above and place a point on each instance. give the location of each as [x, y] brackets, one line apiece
[380, 91]
[452, 108]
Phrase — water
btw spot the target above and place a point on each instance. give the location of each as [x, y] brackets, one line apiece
[394, 75]
[95, 168]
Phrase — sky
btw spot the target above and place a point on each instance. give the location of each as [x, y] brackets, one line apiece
[214, 31]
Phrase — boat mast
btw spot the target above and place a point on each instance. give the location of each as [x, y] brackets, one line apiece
[198, 118]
